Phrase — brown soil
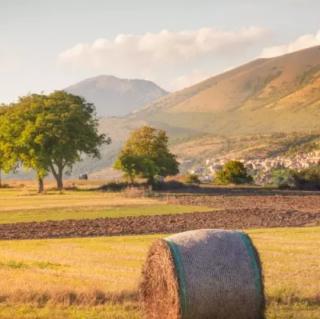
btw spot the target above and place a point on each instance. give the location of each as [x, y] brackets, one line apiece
[229, 219]
[228, 200]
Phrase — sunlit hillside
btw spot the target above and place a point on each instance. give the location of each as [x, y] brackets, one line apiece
[276, 95]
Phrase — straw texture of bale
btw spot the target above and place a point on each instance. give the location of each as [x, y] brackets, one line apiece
[203, 274]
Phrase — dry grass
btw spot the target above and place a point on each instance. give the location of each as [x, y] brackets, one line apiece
[90, 271]
[159, 286]
[25, 205]
[13, 199]
[78, 265]
[291, 262]
[110, 311]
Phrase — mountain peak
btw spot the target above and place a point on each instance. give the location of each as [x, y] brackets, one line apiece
[114, 96]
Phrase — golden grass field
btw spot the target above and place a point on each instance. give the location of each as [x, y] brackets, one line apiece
[41, 278]
[97, 278]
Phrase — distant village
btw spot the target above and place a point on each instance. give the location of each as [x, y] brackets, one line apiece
[260, 169]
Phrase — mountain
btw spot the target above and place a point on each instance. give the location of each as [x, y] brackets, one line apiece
[238, 113]
[280, 94]
[116, 97]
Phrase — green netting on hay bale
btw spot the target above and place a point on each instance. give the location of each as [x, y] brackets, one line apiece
[203, 274]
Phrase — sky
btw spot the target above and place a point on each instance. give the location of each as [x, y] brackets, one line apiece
[47, 45]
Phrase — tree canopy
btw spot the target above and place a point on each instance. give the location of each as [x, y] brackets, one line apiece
[233, 172]
[146, 154]
[49, 133]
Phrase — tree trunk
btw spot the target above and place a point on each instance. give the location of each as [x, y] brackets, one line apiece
[59, 182]
[40, 185]
[59, 179]
[150, 180]
[131, 179]
[58, 175]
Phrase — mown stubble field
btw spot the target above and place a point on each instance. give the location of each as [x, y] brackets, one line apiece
[97, 277]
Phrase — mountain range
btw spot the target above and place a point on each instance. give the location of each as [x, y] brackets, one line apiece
[242, 109]
[258, 109]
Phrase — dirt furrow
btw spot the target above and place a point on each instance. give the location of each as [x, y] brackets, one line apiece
[229, 219]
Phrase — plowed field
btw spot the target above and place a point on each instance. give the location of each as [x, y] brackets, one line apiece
[229, 219]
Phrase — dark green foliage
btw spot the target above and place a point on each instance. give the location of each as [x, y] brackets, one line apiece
[282, 178]
[233, 172]
[118, 186]
[173, 185]
[308, 178]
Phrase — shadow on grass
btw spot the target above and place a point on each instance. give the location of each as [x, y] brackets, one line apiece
[294, 299]
[237, 191]
[69, 298]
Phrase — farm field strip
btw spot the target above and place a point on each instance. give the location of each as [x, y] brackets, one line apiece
[68, 213]
[25, 199]
[228, 199]
[228, 219]
[21, 206]
[34, 268]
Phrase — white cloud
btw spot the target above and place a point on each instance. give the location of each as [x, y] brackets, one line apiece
[302, 42]
[159, 56]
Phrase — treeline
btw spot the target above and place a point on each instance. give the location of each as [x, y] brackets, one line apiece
[307, 178]
[235, 172]
[48, 134]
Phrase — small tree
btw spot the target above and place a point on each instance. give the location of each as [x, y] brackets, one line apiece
[146, 154]
[233, 172]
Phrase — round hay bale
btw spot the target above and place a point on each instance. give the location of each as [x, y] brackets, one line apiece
[203, 274]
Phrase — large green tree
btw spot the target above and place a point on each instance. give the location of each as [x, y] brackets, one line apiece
[51, 132]
[146, 154]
